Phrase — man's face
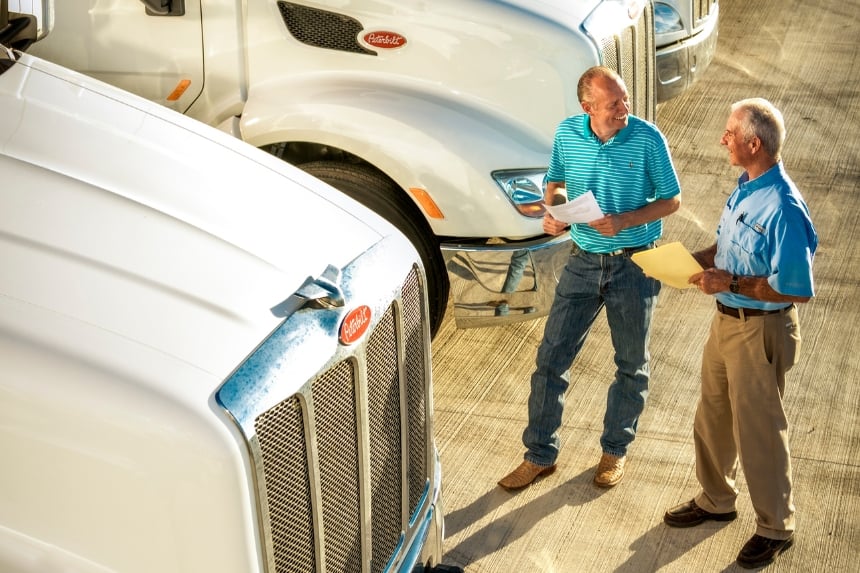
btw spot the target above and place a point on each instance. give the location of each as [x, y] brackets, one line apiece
[608, 107]
[740, 152]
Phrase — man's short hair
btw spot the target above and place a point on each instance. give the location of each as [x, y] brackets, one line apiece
[760, 118]
[583, 88]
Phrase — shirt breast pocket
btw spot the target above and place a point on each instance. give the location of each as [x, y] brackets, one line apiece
[752, 248]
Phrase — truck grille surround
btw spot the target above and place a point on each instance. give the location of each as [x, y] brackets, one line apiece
[631, 55]
[344, 466]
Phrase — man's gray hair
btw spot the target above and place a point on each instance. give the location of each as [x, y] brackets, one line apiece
[761, 119]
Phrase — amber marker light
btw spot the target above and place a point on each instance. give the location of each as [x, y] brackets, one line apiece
[533, 210]
[179, 90]
[427, 204]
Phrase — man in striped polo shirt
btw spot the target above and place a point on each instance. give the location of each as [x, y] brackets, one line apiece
[625, 162]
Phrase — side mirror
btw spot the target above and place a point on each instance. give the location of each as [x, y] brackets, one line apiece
[164, 7]
[17, 31]
[39, 12]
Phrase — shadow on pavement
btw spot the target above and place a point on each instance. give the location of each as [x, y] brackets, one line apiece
[509, 527]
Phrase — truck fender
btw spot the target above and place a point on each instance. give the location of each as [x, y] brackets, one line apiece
[420, 136]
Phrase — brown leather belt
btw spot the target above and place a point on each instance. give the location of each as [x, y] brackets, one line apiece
[742, 312]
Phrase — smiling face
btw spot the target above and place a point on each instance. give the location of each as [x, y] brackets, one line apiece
[740, 151]
[608, 106]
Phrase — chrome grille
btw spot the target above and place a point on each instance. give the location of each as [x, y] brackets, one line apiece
[318, 494]
[631, 54]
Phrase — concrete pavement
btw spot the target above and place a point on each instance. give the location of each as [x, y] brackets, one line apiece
[803, 55]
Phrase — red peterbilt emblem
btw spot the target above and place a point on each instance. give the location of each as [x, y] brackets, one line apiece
[354, 324]
[385, 40]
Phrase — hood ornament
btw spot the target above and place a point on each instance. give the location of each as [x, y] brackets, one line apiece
[321, 292]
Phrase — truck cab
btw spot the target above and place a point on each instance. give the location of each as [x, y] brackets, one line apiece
[197, 376]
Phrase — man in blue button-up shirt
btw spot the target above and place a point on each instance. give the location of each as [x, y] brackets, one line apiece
[760, 266]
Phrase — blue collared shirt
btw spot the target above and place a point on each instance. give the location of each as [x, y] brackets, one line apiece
[766, 231]
[627, 172]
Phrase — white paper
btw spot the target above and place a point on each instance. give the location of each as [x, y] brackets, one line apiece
[583, 209]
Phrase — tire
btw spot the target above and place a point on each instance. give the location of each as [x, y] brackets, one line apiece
[379, 193]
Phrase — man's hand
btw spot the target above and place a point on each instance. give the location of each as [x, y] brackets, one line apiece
[552, 226]
[712, 280]
[608, 225]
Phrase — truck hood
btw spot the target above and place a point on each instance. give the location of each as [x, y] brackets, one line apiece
[561, 11]
[108, 235]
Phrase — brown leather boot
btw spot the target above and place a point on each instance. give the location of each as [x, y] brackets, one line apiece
[524, 475]
[610, 470]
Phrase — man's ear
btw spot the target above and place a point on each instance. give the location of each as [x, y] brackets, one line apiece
[586, 107]
[755, 144]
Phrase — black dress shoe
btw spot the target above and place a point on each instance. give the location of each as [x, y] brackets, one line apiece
[689, 514]
[760, 551]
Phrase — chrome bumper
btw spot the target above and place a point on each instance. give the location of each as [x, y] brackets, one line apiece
[679, 65]
[494, 284]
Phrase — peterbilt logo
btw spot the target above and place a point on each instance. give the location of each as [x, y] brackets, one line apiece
[385, 40]
[354, 324]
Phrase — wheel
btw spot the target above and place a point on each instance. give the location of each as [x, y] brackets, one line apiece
[379, 193]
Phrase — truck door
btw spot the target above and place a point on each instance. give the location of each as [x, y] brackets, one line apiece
[149, 47]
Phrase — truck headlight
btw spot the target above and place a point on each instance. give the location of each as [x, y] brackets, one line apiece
[525, 189]
[612, 16]
[666, 19]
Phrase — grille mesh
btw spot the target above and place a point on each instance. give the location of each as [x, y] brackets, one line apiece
[323, 29]
[385, 441]
[281, 435]
[415, 373]
[393, 387]
[337, 440]
[631, 56]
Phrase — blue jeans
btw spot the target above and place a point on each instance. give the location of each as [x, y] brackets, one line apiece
[519, 260]
[589, 283]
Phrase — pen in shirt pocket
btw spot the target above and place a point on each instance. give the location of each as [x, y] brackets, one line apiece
[756, 227]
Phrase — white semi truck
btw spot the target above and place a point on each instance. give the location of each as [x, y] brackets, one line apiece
[211, 361]
[437, 115]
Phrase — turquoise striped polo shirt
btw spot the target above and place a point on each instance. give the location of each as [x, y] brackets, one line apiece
[625, 173]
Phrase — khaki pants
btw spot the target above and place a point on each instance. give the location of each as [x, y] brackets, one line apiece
[740, 417]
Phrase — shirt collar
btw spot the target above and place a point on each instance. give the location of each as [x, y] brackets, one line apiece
[619, 137]
[769, 177]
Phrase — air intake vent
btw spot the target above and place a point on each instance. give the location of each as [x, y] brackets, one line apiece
[323, 29]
